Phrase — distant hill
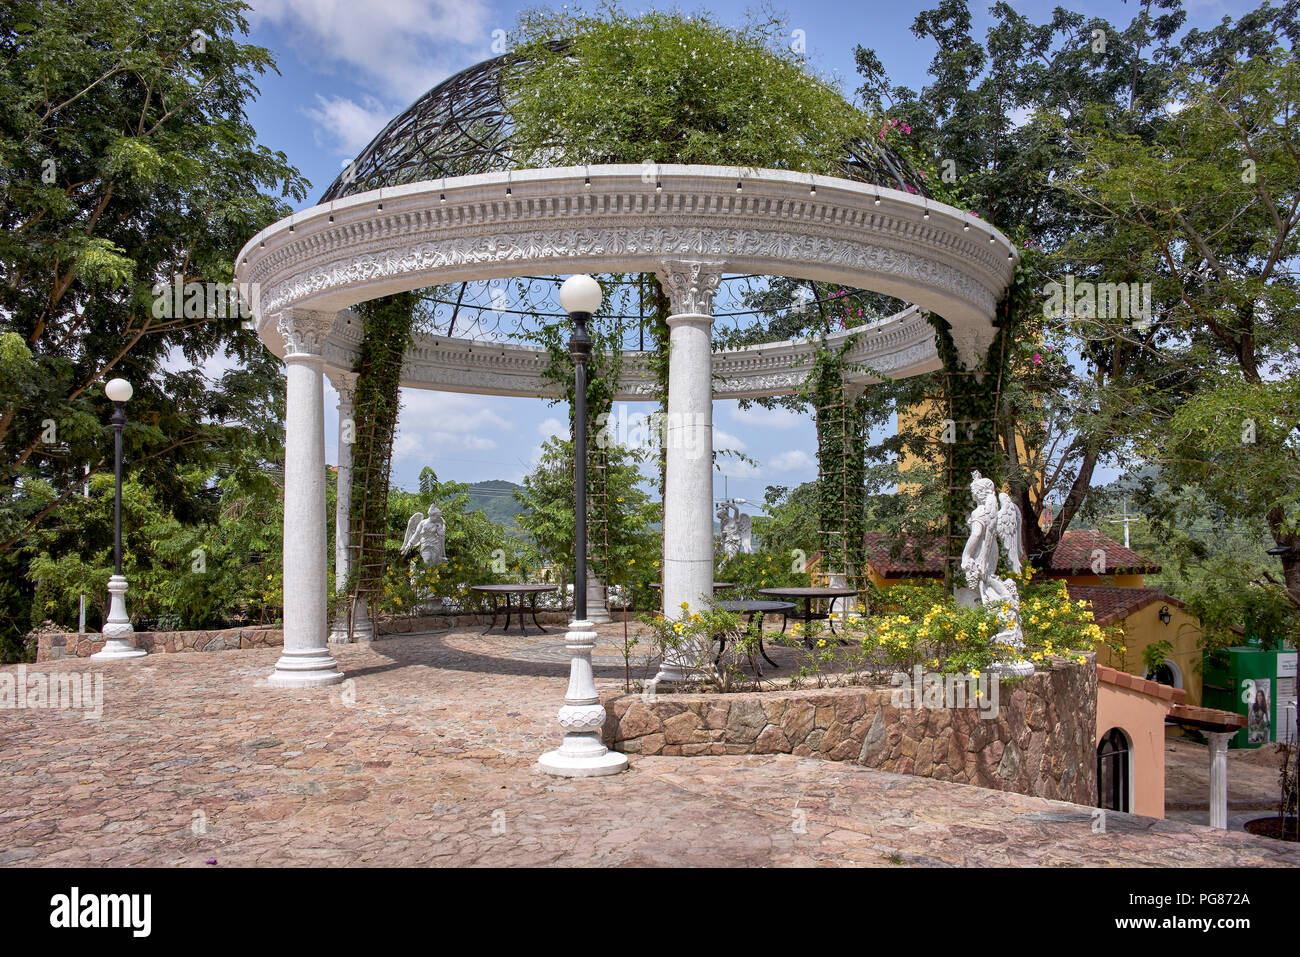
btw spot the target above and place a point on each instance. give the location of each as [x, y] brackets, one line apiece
[496, 497]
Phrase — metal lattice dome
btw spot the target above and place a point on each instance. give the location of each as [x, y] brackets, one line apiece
[463, 127]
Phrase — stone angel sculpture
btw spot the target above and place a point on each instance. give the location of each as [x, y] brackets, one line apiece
[979, 562]
[727, 517]
[427, 534]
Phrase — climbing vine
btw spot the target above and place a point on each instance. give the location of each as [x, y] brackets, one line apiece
[387, 324]
[972, 403]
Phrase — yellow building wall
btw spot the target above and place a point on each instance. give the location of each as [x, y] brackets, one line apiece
[1143, 628]
[1142, 718]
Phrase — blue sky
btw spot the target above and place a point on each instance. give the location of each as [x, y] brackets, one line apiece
[347, 66]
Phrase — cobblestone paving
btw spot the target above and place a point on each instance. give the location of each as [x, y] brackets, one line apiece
[426, 757]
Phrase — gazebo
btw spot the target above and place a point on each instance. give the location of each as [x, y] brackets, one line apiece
[394, 222]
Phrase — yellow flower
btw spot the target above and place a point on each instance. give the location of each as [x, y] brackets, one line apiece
[821, 642]
[685, 605]
[974, 672]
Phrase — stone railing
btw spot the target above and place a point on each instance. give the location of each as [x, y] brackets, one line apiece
[1039, 741]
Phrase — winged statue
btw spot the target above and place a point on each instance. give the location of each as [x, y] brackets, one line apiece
[427, 534]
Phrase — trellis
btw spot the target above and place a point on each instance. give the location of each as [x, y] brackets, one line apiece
[387, 323]
[841, 468]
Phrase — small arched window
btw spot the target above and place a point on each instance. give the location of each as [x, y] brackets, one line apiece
[1114, 758]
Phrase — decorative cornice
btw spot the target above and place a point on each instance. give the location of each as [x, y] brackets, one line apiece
[358, 248]
[690, 285]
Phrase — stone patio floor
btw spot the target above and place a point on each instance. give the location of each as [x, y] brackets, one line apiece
[426, 757]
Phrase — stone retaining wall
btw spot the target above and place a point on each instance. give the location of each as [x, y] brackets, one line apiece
[53, 645]
[1041, 742]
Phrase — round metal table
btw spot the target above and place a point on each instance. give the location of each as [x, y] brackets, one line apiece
[810, 595]
[532, 591]
[752, 607]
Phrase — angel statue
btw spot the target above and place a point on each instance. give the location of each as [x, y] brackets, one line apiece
[746, 533]
[727, 516]
[428, 535]
[979, 562]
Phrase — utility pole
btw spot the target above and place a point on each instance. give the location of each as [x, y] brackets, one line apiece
[1127, 520]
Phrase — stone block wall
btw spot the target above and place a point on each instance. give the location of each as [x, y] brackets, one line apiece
[51, 646]
[1041, 742]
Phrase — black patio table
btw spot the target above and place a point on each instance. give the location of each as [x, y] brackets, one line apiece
[810, 595]
[532, 591]
[752, 607]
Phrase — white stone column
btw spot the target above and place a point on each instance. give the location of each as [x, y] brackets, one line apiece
[688, 440]
[306, 660]
[1219, 778]
[363, 629]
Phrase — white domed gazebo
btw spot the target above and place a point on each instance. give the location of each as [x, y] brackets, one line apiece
[397, 222]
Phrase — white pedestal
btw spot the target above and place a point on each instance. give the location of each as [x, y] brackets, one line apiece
[117, 629]
[582, 754]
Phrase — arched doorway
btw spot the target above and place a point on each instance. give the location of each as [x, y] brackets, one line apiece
[1114, 771]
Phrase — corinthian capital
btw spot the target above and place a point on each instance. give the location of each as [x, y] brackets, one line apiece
[345, 384]
[304, 330]
[690, 284]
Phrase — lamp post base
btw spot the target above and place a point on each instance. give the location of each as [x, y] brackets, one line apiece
[582, 754]
[117, 628]
[117, 648]
[578, 766]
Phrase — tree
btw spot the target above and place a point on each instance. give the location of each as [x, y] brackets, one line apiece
[1213, 202]
[126, 161]
[548, 498]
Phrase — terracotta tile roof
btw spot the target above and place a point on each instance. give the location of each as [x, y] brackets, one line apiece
[1113, 603]
[1073, 556]
[905, 565]
[1154, 689]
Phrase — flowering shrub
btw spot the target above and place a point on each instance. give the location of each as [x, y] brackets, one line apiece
[694, 634]
[923, 625]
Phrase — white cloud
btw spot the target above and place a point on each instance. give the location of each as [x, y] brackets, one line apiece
[1020, 116]
[725, 440]
[552, 427]
[738, 468]
[400, 48]
[346, 126]
[794, 460]
[432, 422]
[762, 418]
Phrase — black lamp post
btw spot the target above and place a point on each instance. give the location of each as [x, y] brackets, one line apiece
[582, 753]
[580, 296]
[117, 628]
